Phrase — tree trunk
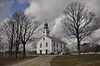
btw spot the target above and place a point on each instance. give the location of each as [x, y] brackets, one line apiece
[16, 52]
[24, 50]
[10, 50]
[2, 54]
[78, 46]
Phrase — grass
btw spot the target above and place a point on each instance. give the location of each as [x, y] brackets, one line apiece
[76, 60]
[13, 60]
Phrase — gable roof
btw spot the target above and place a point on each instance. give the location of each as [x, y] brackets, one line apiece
[55, 39]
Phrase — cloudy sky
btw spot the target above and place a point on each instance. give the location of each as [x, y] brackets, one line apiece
[50, 10]
[43, 9]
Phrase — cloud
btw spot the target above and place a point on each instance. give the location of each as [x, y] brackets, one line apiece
[51, 9]
[7, 7]
[57, 29]
[4, 8]
[18, 5]
[46, 9]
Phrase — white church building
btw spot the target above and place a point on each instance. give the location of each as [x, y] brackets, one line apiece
[48, 44]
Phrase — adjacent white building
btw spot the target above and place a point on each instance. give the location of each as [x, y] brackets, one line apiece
[48, 44]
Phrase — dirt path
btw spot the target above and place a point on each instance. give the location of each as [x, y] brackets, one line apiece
[39, 61]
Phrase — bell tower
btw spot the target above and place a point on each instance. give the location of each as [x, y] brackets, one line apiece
[45, 30]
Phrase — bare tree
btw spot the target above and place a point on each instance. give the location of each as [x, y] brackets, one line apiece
[10, 30]
[27, 30]
[3, 46]
[7, 30]
[19, 30]
[17, 22]
[78, 22]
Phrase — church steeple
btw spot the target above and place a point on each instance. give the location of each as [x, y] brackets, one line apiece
[45, 29]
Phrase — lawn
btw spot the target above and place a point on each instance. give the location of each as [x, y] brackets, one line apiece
[76, 60]
[13, 60]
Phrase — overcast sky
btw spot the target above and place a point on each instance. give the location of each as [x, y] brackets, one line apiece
[43, 9]
[50, 10]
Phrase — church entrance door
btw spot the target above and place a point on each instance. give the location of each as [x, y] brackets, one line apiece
[40, 51]
[46, 52]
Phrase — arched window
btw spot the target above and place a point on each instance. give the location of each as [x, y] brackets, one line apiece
[61, 45]
[54, 44]
[46, 44]
[40, 45]
[43, 31]
[54, 50]
[57, 50]
[57, 44]
[43, 38]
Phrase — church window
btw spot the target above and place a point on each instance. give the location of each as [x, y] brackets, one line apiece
[43, 31]
[46, 52]
[43, 38]
[40, 44]
[57, 50]
[48, 32]
[61, 45]
[61, 50]
[46, 44]
[40, 51]
[57, 44]
[54, 50]
[54, 43]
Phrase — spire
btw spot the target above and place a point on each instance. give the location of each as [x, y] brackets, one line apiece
[46, 25]
[46, 29]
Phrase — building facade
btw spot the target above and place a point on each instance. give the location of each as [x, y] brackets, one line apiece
[48, 44]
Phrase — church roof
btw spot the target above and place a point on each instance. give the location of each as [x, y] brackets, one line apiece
[55, 39]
